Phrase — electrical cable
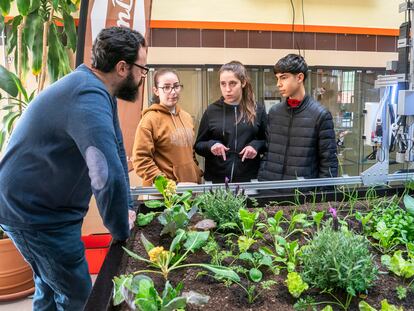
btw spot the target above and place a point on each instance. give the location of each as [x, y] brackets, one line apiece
[293, 28]
[303, 27]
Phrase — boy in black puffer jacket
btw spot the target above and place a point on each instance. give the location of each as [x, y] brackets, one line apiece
[300, 131]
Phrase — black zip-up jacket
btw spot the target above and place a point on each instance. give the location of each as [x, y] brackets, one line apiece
[218, 125]
[300, 142]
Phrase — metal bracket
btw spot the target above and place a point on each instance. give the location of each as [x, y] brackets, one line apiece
[390, 80]
[376, 174]
[405, 6]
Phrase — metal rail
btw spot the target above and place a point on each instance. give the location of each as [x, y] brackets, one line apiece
[280, 184]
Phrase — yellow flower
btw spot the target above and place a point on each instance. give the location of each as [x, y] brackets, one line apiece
[155, 253]
[164, 255]
[171, 188]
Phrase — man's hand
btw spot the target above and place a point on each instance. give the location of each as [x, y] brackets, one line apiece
[248, 152]
[219, 149]
[131, 218]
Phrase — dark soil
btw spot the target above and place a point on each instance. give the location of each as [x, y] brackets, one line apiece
[277, 298]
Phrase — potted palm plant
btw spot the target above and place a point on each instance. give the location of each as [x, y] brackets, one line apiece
[16, 276]
[45, 30]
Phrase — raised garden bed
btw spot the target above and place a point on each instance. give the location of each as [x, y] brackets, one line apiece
[227, 294]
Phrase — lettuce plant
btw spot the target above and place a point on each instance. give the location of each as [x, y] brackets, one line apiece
[295, 284]
[177, 211]
[140, 293]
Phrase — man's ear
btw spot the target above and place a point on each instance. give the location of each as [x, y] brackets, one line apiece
[300, 77]
[122, 68]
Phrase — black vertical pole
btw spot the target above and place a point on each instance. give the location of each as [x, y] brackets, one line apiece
[83, 16]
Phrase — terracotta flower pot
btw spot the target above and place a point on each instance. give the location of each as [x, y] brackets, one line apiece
[16, 276]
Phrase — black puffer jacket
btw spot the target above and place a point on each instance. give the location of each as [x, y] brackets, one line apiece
[300, 142]
[218, 125]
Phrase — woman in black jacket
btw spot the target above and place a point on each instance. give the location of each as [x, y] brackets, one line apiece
[231, 136]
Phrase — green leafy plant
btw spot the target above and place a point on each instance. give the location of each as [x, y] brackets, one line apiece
[398, 265]
[256, 260]
[409, 204]
[33, 31]
[309, 304]
[222, 205]
[273, 225]
[252, 290]
[385, 306]
[248, 222]
[386, 237]
[401, 292]
[364, 220]
[317, 218]
[391, 225]
[247, 227]
[350, 197]
[300, 219]
[306, 304]
[177, 211]
[17, 101]
[165, 261]
[401, 267]
[139, 292]
[283, 253]
[338, 260]
[216, 253]
[295, 284]
[371, 197]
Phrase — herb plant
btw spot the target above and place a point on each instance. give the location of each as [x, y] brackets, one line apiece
[338, 260]
[222, 205]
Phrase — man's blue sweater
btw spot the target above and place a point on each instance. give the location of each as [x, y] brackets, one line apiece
[66, 145]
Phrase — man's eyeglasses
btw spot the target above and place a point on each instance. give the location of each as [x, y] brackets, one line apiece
[143, 68]
[169, 88]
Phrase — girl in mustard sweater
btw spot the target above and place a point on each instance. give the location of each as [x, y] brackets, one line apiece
[165, 136]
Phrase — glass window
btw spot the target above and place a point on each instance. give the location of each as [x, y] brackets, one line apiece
[343, 91]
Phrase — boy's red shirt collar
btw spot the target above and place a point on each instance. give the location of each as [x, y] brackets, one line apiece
[293, 103]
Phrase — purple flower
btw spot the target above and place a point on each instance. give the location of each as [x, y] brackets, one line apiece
[335, 223]
[333, 212]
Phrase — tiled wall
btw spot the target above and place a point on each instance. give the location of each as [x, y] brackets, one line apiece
[210, 38]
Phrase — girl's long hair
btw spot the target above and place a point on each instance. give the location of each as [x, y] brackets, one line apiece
[248, 102]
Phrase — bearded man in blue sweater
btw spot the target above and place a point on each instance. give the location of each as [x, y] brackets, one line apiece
[67, 145]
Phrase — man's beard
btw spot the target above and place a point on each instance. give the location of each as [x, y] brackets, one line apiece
[128, 90]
